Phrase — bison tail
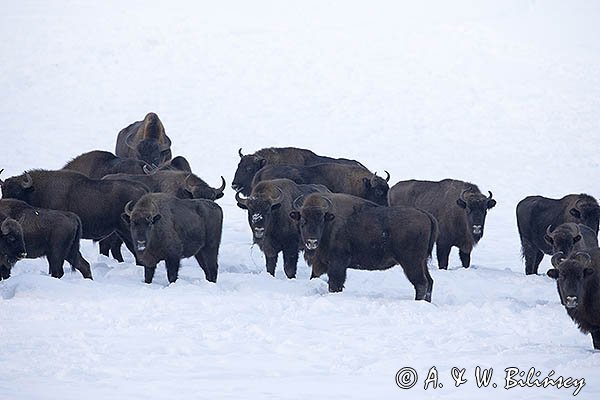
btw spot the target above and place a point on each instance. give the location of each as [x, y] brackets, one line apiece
[433, 235]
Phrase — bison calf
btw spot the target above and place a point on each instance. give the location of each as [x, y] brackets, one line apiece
[342, 232]
[459, 207]
[578, 283]
[164, 227]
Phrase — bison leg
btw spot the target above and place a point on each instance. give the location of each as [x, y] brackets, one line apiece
[443, 253]
[55, 264]
[337, 275]
[207, 258]
[290, 262]
[172, 265]
[419, 279]
[4, 272]
[596, 339]
[149, 273]
[81, 265]
[104, 247]
[465, 258]
[533, 257]
[271, 263]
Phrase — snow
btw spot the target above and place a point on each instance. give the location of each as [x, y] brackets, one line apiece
[503, 94]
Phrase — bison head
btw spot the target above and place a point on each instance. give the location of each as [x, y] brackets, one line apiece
[141, 220]
[587, 212]
[12, 245]
[260, 208]
[17, 187]
[153, 152]
[313, 217]
[563, 238]
[247, 167]
[376, 188]
[196, 188]
[571, 275]
[475, 205]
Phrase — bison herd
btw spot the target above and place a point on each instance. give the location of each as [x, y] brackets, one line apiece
[336, 211]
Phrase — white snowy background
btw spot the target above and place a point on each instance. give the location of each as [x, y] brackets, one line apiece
[504, 94]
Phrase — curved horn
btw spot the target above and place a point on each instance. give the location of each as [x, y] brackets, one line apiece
[239, 199]
[329, 204]
[240, 152]
[462, 195]
[222, 187]
[387, 178]
[583, 258]
[27, 181]
[373, 177]
[558, 258]
[129, 140]
[4, 227]
[296, 204]
[490, 196]
[549, 230]
[128, 209]
[279, 198]
[1, 181]
[167, 143]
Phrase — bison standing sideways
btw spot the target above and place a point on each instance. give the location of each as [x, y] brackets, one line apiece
[166, 228]
[459, 207]
[536, 213]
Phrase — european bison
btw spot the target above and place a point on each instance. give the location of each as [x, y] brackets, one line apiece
[184, 185]
[570, 237]
[536, 213]
[578, 283]
[164, 227]
[12, 245]
[145, 140]
[343, 231]
[49, 233]
[98, 203]
[339, 178]
[96, 164]
[268, 208]
[250, 163]
[459, 207]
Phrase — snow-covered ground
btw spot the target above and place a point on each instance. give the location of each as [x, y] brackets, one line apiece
[505, 94]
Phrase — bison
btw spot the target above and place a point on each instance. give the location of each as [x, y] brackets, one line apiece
[145, 140]
[339, 178]
[97, 164]
[164, 227]
[578, 283]
[459, 207]
[184, 185]
[268, 208]
[12, 245]
[570, 237]
[342, 231]
[49, 233]
[250, 163]
[536, 213]
[98, 203]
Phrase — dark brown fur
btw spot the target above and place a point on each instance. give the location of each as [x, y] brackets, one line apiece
[97, 164]
[145, 140]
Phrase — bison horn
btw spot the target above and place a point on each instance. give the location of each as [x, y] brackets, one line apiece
[129, 140]
[462, 195]
[549, 230]
[149, 170]
[373, 177]
[279, 197]
[1, 181]
[128, 209]
[490, 196]
[27, 181]
[4, 228]
[583, 258]
[298, 202]
[387, 178]
[239, 199]
[240, 152]
[557, 259]
[328, 204]
[222, 187]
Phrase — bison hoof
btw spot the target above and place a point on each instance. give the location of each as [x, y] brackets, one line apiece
[335, 289]
[443, 267]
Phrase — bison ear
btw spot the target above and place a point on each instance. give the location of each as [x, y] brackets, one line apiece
[549, 240]
[575, 212]
[552, 273]
[275, 206]
[242, 206]
[576, 238]
[219, 195]
[295, 215]
[588, 271]
[156, 218]
[461, 203]
[491, 203]
[329, 217]
[125, 218]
